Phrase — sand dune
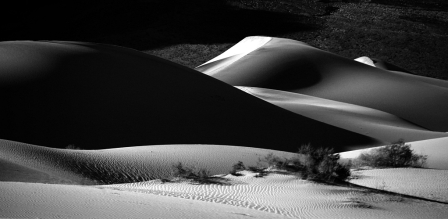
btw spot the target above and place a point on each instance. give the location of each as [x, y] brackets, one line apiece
[97, 96]
[274, 196]
[119, 165]
[264, 95]
[376, 124]
[293, 66]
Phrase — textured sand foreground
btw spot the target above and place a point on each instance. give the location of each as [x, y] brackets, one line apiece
[425, 183]
[275, 196]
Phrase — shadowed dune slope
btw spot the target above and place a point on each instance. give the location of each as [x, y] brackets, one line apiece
[379, 125]
[289, 65]
[98, 96]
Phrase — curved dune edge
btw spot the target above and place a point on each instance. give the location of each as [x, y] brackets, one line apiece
[366, 121]
[365, 60]
[236, 52]
[120, 165]
[99, 96]
[293, 66]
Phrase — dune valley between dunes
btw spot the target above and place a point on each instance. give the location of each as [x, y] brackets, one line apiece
[134, 115]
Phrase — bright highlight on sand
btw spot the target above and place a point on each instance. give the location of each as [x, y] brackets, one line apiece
[135, 115]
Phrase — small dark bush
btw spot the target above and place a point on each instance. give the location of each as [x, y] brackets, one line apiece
[202, 176]
[321, 164]
[397, 154]
[237, 167]
[273, 161]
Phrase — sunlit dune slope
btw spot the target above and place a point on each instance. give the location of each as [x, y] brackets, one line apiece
[289, 65]
[370, 122]
[31, 163]
[97, 96]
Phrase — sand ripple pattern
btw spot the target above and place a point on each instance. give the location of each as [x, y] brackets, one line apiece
[276, 193]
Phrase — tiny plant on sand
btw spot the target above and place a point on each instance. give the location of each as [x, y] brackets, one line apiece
[237, 167]
[395, 155]
[201, 176]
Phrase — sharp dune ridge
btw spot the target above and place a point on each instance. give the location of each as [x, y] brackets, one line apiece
[98, 96]
[289, 65]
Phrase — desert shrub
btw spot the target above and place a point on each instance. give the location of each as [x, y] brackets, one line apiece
[321, 164]
[273, 161]
[202, 176]
[395, 155]
[237, 167]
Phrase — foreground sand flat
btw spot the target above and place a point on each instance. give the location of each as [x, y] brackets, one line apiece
[275, 196]
[426, 183]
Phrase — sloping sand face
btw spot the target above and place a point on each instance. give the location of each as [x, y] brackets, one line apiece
[370, 122]
[293, 66]
[97, 96]
[30, 163]
[425, 183]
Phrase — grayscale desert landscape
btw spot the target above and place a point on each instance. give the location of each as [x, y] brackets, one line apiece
[298, 114]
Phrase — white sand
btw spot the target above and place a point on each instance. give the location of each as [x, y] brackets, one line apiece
[275, 196]
[28, 200]
[365, 60]
[426, 183]
[130, 164]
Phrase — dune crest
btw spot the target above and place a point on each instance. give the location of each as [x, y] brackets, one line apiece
[293, 66]
[99, 96]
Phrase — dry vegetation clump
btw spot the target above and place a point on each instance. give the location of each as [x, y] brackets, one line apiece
[201, 176]
[239, 166]
[398, 154]
[316, 164]
[321, 164]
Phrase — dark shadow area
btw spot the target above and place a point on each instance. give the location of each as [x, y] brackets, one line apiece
[437, 5]
[144, 24]
[291, 79]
